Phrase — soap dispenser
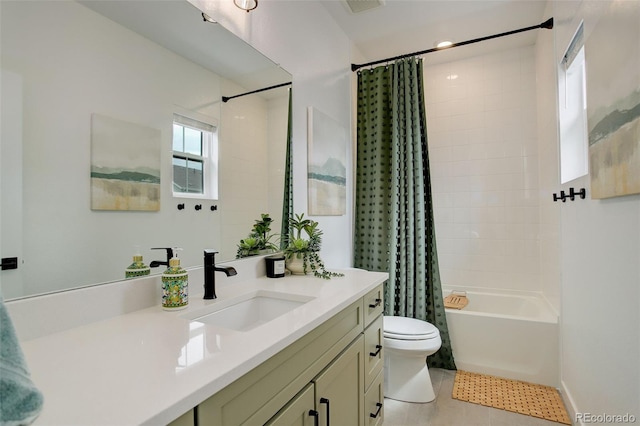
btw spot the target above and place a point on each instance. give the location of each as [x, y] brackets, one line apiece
[137, 268]
[175, 285]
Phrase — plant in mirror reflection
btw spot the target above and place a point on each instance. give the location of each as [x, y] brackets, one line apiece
[259, 240]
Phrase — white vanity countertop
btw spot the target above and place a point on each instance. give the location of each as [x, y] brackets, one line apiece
[151, 366]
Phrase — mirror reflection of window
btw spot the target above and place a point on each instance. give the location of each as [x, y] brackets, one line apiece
[195, 158]
[574, 150]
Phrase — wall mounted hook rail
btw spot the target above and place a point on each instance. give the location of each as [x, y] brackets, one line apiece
[9, 263]
[198, 207]
[582, 193]
[181, 206]
[562, 197]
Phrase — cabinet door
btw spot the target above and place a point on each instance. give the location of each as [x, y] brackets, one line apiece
[257, 396]
[373, 402]
[340, 388]
[374, 352]
[298, 412]
[373, 305]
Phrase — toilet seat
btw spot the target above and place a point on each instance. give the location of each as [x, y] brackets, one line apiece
[403, 328]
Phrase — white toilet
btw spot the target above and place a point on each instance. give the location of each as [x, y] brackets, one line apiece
[407, 343]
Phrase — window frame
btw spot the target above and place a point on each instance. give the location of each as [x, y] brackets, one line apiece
[572, 111]
[209, 158]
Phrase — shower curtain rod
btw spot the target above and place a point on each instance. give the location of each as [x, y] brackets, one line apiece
[548, 24]
[226, 98]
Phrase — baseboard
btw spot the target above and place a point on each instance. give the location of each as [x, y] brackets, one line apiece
[569, 404]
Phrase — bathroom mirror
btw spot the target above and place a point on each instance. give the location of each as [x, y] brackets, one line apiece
[136, 62]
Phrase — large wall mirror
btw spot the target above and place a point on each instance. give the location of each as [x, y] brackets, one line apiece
[139, 63]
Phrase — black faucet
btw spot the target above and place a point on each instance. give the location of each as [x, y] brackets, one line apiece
[156, 263]
[210, 269]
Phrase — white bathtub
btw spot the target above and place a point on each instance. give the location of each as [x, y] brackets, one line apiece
[506, 334]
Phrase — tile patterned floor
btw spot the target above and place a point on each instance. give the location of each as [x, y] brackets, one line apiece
[446, 411]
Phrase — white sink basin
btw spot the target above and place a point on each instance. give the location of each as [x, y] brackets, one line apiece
[248, 312]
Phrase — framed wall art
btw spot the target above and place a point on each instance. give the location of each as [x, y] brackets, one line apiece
[125, 165]
[613, 102]
[327, 172]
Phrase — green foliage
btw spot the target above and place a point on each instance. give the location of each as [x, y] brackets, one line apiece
[307, 245]
[259, 239]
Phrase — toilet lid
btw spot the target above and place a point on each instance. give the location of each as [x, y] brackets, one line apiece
[403, 328]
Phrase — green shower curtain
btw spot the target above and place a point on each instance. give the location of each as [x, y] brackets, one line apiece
[394, 228]
[287, 198]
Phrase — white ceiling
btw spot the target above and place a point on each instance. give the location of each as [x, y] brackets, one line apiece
[395, 28]
[399, 27]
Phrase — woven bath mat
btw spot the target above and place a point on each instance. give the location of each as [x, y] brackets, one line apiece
[539, 401]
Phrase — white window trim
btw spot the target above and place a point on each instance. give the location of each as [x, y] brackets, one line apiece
[574, 147]
[209, 153]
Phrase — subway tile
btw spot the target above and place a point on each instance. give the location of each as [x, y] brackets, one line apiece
[441, 154]
[440, 169]
[463, 215]
[448, 246]
[468, 121]
[443, 199]
[461, 168]
[460, 152]
[489, 123]
[458, 91]
[443, 215]
[440, 184]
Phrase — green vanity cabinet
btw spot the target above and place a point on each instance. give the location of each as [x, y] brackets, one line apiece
[373, 341]
[340, 388]
[334, 368]
[187, 419]
[300, 411]
[373, 358]
[338, 391]
[373, 402]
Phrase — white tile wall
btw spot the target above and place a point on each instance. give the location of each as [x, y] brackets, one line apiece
[482, 135]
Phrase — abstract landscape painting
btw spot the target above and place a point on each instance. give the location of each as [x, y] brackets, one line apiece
[613, 102]
[327, 172]
[125, 165]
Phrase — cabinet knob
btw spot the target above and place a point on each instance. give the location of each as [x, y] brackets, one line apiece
[376, 304]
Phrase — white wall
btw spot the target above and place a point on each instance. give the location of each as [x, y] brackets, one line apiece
[302, 37]
[481, 118]
[600, 324]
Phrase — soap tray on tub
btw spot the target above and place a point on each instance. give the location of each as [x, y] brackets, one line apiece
[456, 300]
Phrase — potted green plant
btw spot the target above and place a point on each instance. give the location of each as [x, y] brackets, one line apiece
[301, 252]
[259, 240]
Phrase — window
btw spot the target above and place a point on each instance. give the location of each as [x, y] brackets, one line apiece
[195, 158]
[574, 152]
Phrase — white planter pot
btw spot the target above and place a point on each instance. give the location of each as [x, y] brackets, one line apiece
[295, 265]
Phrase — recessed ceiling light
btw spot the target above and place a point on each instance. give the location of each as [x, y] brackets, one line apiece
[443, 44]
